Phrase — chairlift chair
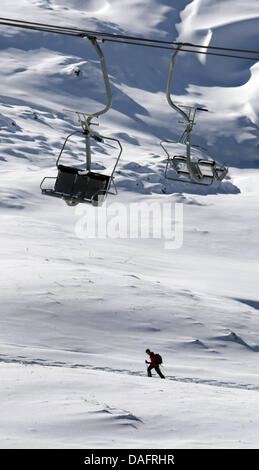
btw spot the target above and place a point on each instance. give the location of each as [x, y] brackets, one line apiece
[188, 168]
[75, 185]
[199, 171]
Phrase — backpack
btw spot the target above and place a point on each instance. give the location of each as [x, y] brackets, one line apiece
[158, 359]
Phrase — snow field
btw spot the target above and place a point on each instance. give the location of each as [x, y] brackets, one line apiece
[78, 313]
[59, 407]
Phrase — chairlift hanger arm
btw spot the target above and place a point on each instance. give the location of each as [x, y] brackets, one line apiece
[169, 87]
[85, 118]
[105, 78]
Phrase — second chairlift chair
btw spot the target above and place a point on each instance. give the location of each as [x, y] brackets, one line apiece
[189, 168]
[75, 185]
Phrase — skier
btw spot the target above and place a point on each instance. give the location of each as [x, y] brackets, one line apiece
[154, 364]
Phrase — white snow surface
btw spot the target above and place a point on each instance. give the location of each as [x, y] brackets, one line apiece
[77, 313]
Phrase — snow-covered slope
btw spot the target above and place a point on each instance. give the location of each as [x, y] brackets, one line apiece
[78, 312]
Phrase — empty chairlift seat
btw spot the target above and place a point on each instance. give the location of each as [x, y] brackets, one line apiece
[202, 169]
[74, 185]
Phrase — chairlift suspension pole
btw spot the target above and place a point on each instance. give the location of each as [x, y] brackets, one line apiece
[88, 151]
[105, 77]
[203, 171]
[86, 123]
[169, 86]
[188, 122]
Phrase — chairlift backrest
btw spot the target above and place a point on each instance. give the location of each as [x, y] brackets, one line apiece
[87, 186]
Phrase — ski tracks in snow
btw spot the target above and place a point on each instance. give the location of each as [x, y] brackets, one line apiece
[192, 380]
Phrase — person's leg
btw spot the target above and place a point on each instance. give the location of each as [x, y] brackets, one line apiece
[149, 370]
[159, 372]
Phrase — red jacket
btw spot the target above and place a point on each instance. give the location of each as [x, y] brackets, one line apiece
[153, 359]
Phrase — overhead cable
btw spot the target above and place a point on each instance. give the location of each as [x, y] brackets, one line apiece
[133, 40]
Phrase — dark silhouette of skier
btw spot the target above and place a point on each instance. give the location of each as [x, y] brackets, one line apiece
[153, 364]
